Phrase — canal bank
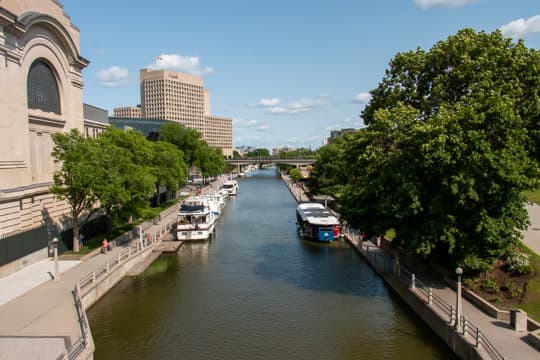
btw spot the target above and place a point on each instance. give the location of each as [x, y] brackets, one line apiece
[45, 319]
[257, 291]
[476, 335]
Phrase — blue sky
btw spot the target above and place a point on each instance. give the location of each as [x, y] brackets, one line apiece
[286, 71]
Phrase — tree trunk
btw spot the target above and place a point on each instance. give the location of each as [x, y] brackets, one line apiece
[75, 232]
[158, 195]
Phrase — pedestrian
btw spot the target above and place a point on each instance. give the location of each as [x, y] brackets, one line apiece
[104, 246]
[81, 237]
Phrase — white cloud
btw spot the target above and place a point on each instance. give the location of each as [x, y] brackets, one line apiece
[426, 4]
[113, 76]
[186, 64]
[362, 98]
[251, 125]
[302, 141]
[300, 106]
[521, 27]
[268, 102]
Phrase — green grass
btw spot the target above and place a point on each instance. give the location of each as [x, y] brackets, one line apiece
[533, 196]
[531, 302]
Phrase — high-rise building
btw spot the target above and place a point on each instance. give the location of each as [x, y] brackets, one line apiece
[174, 96]
[182, 98]
[128, 112]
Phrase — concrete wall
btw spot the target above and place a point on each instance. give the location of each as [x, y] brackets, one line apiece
[104, 284]
[446, 332]
[23, 262]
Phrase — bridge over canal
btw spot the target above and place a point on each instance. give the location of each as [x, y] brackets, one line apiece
[271, 160]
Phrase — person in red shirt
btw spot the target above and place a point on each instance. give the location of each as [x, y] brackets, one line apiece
[104, 246]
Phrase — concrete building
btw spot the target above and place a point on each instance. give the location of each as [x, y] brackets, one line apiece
[128, 112]
[334, 134]
[174, 96]
[218, 134]
[182, 98]
[40, 70]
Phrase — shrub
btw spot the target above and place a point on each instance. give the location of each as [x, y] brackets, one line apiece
[518, 263]
[470, 283]
[490, 285]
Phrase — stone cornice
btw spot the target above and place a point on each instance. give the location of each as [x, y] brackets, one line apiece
[37, 117]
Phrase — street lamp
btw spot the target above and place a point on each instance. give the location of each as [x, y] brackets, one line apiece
[56, 270]
[459, 272]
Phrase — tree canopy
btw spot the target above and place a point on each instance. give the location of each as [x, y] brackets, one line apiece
[120, 170]
[450, 146]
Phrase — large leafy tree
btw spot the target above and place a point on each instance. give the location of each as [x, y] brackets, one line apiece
[126, 168]
[74, 182]
[450, 146]
[186, 139]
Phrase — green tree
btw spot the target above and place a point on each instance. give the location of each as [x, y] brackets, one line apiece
[450, 146]
[329, 173]
[258, 153]
[168, 166]
[74, 181]
[186, 139]
[127, 173]
[296, 174]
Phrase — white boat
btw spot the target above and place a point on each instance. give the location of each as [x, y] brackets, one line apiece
[316, 222]
[214, 203]
[231, 186]
[195, 219]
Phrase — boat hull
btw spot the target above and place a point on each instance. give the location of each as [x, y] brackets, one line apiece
[195, 234]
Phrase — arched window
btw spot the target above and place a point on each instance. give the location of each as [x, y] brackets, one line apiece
[42, 88]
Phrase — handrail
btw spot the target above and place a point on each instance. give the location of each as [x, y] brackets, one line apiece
[426, 292]
[78, 347]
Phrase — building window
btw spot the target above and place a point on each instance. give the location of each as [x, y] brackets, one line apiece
[42, 88]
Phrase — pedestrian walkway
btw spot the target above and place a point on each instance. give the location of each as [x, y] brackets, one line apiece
[508, 342]
[38, 317]
[30, 277]
[531, 236]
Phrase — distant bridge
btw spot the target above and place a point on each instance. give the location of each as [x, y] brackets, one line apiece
[272, 160]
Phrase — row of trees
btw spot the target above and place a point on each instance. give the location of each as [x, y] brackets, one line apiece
[121, 170]
[451, 144]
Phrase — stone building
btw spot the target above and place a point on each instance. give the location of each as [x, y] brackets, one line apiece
[41, 93]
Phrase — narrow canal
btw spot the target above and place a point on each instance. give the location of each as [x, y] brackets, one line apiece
[258, 292]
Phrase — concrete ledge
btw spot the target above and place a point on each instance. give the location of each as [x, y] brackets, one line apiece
[534, 339]
[481, 303]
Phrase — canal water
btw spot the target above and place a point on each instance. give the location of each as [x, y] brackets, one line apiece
[259, 292]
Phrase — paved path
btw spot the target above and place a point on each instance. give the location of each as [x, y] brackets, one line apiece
[532, 234]
[510, 343]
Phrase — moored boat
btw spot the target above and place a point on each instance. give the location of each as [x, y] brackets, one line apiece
[231, 186]
[317, 222]
[195, 219]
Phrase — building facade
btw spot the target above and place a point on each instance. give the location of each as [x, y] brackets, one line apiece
[128, 112]
[218, 134]
[182, 98]
[41, 73]
[174, 96]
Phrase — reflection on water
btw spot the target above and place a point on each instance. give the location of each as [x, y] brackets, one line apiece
[259, 292]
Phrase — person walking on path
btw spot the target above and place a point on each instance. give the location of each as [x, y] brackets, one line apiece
[104, 246]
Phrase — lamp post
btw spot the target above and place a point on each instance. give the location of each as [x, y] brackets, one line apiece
[459, 272]
[55, 250]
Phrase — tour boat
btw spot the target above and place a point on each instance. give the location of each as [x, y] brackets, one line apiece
[231, 186]
[195, 219]
[316, 222]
